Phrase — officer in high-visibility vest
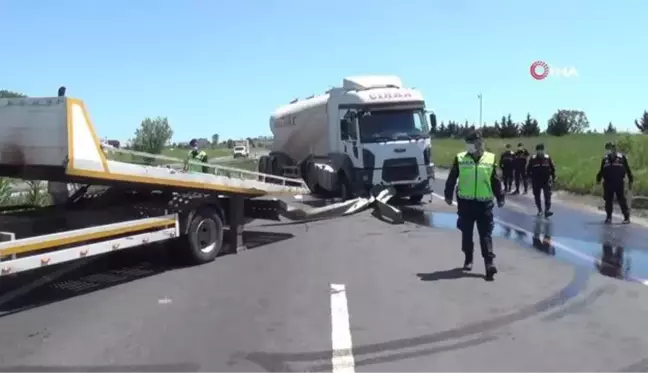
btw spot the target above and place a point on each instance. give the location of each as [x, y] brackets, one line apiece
[195, 154]
[479, 184]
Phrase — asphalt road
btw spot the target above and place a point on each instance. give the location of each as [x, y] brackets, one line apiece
[349, 294]
[582, 231]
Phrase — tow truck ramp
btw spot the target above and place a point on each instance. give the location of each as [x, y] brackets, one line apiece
[124, 205]
[53, 138]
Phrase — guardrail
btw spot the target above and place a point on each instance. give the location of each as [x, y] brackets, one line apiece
[218, 169]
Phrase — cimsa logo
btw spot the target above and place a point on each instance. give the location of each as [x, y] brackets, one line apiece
[540, 70]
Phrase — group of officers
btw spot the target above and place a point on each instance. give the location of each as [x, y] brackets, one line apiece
[474, 174]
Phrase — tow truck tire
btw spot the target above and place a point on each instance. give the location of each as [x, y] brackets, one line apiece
[417, 198]
[204, 236]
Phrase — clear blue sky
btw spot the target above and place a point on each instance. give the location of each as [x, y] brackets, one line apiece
[218, 66]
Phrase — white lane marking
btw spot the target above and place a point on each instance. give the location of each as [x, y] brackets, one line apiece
[342, 358]
[556, 244]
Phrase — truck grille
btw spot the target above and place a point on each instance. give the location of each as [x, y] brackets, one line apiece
[400, 169]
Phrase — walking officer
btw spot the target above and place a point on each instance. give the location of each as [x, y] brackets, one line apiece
[542, 173]
[476, 172]
[506, 165]
[197, 155]
[519, 165]
[614, 169]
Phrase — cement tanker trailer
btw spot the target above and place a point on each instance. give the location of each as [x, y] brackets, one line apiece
[370, 131]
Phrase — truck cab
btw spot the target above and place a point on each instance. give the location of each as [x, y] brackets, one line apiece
[384, 134]
[371, 131]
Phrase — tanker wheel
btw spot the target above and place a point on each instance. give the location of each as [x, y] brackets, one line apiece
[344, 187]
[417, 198]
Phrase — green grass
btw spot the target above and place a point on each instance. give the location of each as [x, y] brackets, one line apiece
[577, 157]
[211, 153]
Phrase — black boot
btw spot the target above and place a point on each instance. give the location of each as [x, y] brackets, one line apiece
[626, 219]
[468, 262]
[548, 213]
[608, 220]
[491, 270]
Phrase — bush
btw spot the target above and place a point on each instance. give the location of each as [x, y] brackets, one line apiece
[577, 157]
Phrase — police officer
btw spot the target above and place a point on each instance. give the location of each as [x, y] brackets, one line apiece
[506, 165]
[614, 168]
[476, 172]
[519, 165]
[542, 173]
[197, 155]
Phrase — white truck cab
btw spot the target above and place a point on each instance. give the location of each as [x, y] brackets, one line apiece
[370, 131]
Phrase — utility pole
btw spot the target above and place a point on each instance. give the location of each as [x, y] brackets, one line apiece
[481, 123]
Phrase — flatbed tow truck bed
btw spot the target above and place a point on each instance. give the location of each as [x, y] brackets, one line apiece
[121, 205]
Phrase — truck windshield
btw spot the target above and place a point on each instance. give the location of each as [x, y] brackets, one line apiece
[239, 148]
[392, 125]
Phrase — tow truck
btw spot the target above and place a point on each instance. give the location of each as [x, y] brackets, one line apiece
[121, 205]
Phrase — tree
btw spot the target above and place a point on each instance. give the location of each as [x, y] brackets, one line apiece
[152, 135]
[251, 142]
[642, 123]
[530, 127]
[9, 94]
[610, 129]
[230, 143]
[508, 128]
[214, 141]
[564, 122]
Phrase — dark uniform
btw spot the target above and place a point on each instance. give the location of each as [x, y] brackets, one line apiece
[506, 165]
[614, 168]
[476, 172]
[521, 156]
[542, 173]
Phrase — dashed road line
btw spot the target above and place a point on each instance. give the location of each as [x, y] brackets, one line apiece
[342, 359]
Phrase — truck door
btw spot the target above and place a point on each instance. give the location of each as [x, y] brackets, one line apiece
[350, 138]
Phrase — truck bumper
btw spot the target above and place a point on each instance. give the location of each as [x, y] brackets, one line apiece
[363, 183]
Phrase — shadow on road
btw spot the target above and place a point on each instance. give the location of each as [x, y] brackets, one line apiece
[449, 274]
[76, 278]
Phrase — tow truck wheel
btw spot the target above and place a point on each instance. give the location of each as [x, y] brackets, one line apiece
[417, 198]
[205, 236]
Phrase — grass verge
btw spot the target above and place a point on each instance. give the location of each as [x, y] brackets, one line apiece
[577, 157]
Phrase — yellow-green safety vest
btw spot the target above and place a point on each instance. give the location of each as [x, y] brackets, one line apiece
[475, 178]
[199, 157]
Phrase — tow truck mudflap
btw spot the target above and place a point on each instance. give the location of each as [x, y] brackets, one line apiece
[378, 198]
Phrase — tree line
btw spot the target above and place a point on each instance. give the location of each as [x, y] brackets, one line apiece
[562, 122]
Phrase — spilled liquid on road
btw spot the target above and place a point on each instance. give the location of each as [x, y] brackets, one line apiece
[607, 255]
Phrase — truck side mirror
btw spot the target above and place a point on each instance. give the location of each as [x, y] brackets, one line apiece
[433, 122]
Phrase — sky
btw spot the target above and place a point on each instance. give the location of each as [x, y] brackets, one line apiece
[223, 66]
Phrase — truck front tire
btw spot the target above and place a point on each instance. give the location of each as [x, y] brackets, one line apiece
[417, 198]
[204, 236]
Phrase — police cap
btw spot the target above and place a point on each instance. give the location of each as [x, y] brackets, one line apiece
[609, 145]
[540, 147]
[520, 144]
[473, 136]
[193, 142]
